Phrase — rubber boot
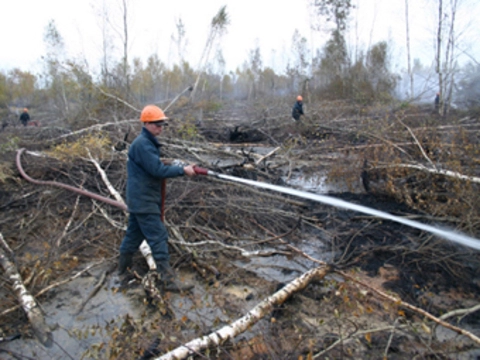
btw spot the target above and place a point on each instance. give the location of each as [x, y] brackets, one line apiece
[169, 281]
[124, 262]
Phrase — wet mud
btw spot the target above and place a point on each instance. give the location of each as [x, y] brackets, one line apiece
[332, 318]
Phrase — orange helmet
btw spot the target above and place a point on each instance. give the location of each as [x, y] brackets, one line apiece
[151, 113]
[299, 98]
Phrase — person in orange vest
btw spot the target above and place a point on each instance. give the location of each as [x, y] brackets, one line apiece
[297, 109]
[145, 173]
[25, 117]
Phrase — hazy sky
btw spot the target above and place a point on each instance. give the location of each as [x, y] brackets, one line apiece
[268, 23]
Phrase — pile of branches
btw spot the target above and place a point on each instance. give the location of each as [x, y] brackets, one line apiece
[213, 222]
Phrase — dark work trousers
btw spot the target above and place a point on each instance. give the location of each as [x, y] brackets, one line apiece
[150, 228]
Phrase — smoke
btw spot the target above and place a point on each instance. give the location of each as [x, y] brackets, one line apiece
[467, 93]
[425, 86]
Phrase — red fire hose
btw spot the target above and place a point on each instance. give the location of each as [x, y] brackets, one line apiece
[65, 186]
[163, 188]
[163, 185]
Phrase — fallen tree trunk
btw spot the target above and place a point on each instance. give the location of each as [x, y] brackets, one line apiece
[449, 173]
[27, 301]
[54, 285]
[253, 316]
[399, 302]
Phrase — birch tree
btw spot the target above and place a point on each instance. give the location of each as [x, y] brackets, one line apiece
[56, 77]
[407, 38]
[218, 27]
[110, 15]
[26, 300]
[256, 66]
[125, 44]
[446, 52]
[180, 41]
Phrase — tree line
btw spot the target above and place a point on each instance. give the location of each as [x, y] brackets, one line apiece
[70, 88]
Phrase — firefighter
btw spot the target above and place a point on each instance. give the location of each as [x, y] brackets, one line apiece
[145, 172]
[25, 117]
[297, 109]
[437, 101]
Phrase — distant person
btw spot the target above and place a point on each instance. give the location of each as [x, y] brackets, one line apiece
[437, 101]
[297, 109]
[25, 117]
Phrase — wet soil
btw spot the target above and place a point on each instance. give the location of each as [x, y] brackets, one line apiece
[331, 318]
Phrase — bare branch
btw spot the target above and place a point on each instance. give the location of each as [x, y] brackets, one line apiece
[399, 302]
[418, 144]
[458, 312]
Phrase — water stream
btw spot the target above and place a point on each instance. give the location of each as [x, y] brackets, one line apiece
[449, 235]
[110, 306]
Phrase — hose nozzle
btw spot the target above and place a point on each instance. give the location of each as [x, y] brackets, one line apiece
[202, 171]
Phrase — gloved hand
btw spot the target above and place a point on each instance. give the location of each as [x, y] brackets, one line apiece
[180, 163]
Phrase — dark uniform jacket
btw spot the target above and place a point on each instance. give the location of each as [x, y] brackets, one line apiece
[24, 117]
[145, 171]
[297, 110]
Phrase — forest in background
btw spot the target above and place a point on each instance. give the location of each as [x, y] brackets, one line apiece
[414, 160]
[73, 90]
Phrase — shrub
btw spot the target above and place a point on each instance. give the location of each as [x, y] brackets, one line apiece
[95, 144]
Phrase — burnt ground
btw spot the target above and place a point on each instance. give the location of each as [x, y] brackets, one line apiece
[55, 233]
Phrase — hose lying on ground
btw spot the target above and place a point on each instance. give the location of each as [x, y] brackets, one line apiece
[65, 186]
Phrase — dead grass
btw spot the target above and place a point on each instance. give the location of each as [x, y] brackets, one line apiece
[330, 319]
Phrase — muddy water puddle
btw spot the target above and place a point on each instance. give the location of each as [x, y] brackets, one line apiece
[75, 332]
[281, 269]
[319, 184]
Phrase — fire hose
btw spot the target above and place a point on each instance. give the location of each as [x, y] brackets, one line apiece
[65, 186]
[450, 235]
[163, 186]
[163, 182]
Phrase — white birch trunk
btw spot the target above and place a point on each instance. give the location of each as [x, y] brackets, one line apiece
[253, 316]
[27, 301]
[449, 173]
[144, 248]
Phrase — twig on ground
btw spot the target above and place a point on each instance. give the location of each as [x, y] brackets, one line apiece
[399, 302]
[70, 220]
[418, 144]
[92, 293]
[463, 312]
